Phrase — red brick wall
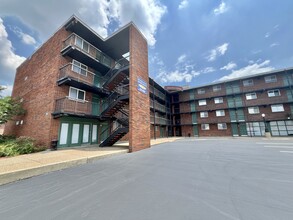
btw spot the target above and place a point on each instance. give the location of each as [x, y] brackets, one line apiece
[187, 129]
[139, 103]
[41, 72]
[214, 131]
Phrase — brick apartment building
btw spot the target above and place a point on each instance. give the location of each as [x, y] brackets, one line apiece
[239, 107]
[79, 88]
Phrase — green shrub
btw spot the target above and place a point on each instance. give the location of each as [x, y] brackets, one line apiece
[4, 138]
[18, 146]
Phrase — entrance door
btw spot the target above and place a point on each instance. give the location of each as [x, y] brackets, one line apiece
[104, 132]
[195, 130]
[234, 127]
[162, 132]
[242, 129]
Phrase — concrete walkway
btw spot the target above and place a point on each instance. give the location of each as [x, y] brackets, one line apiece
[28, 165]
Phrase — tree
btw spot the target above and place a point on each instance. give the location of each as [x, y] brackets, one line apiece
[9, 107]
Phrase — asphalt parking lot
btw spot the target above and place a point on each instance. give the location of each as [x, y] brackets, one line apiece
[215, 178]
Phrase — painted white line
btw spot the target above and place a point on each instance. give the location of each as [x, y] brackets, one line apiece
[265, 143]
[285, 151]
[279, 146]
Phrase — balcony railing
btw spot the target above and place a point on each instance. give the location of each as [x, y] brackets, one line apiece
[159, 120]
[160, 107]
[73, 106]
[157, 93]
[89, 49]
[81, 75]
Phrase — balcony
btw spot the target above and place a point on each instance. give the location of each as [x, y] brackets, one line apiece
[81, 50]
[75, 76]
[267, 101]
[159, 107]
[159, 121]
[67, 106]
[158, 93]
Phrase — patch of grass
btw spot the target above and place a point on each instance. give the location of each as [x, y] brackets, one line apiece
[17, 146]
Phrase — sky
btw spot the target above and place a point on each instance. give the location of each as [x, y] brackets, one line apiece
[191, 42]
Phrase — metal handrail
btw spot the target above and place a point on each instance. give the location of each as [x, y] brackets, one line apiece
[98, 53]
[117, 65]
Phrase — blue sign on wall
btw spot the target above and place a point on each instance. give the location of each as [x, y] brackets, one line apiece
[142, 86]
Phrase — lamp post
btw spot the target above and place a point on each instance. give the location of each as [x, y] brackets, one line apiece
[264, 120]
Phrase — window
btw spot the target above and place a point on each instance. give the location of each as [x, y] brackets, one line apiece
[222, 126]
[76, 94]
[79, 68]
[277, 108]
[202, 102]
[204, 114]
[205, 127]
[201, 91]
[270, 79]
[217, 88]
[273, 93]
[218, 100]
[250, 96]
[248, 82]
[82, 44]
[253, 110]
[220, 113]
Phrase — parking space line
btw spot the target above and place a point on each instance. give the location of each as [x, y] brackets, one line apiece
[278, 146]
[274, 143]
[285, 151]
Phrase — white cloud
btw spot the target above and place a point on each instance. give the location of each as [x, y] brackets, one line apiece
[25, 38]
[223, 48]
[176, 76]
[9, 61]
[184, 71]
[218, 51]
[181, 58]
[229, 66]
[183, 4]
[256, 51]
[274, 44]
[251, 69]
[208, 70]
[222, 8]
[98, 14]
[156, 60]
[7, 91]
[268, 34]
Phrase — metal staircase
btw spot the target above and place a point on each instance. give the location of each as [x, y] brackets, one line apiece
[114, 108]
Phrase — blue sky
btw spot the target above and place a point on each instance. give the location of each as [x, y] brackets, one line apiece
[190, 42]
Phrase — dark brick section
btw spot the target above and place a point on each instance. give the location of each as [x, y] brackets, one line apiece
[35, 82]
[139, 104]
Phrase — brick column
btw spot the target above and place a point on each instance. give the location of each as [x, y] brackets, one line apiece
[139, 103]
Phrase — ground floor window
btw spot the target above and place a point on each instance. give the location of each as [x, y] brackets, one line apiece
[255, 128]
[205, 127]
[281, 128]
[75, 133]
[222, 126]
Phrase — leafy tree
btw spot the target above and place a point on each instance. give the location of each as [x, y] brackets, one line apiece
[9, 107]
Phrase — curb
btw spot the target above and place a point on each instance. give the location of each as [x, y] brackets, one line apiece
[10, 177]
